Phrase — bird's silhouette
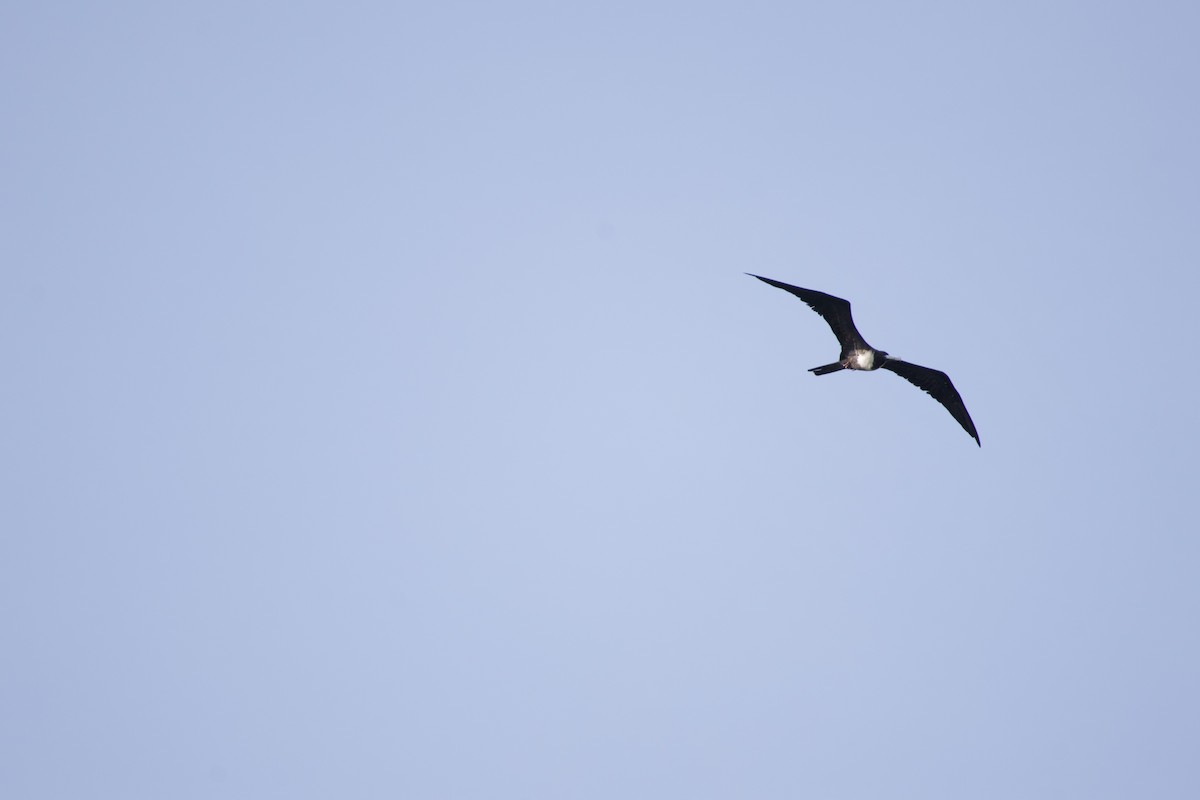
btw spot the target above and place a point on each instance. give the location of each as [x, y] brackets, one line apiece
[857, 354]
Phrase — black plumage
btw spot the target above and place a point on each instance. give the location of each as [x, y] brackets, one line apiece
[857, 354]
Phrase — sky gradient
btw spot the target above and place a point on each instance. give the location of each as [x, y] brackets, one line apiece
[386, 412]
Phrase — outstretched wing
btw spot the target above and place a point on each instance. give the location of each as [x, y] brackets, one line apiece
[938, 385]
[835, 310]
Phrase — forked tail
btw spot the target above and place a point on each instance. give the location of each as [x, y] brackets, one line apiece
[828, 368]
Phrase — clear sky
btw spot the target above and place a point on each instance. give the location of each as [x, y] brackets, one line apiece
[386, 412]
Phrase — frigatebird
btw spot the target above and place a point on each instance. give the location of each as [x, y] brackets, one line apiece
[857, 354]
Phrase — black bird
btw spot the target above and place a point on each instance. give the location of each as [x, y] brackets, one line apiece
[857, 354]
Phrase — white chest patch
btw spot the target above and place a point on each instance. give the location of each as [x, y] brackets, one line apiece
[862, 359]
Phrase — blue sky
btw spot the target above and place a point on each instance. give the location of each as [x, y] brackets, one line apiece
[386, 412]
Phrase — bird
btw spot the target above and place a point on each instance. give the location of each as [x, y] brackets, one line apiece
[857, 354]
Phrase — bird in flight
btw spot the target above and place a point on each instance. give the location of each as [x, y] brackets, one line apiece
[857, 354]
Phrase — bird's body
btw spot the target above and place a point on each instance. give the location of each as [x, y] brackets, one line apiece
[858, 355]
[862, 359]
